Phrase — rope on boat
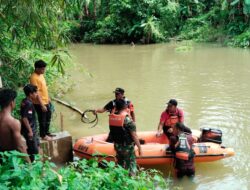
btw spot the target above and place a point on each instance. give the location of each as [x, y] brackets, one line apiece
[88, 116]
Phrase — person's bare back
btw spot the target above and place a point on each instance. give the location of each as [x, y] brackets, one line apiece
[10, 128]
[9, 133]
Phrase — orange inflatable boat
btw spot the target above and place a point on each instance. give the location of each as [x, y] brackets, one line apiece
[153, 150]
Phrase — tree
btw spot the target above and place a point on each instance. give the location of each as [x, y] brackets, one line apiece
[27, 29]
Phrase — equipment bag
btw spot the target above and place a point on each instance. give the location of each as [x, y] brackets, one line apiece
[211, 135]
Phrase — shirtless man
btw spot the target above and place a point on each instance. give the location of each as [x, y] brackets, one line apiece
[10, 128]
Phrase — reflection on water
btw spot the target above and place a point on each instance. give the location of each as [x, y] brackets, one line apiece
[211, 84]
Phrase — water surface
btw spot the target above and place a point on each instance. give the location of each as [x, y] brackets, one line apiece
[211, 84]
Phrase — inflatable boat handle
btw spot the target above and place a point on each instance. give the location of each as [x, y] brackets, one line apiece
[100, 141]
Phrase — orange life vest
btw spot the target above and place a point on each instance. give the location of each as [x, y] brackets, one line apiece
[127, 104]
[183, 150]
[119, 133]
[173, 119]
[127, 111]
[117, 120]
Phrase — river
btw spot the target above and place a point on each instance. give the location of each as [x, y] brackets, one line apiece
[210, 82]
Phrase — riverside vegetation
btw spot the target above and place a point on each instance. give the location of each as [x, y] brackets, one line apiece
[39, 29]
[84, 174]
[32, 29]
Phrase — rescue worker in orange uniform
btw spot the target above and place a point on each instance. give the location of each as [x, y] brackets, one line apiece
[123, 133]
[110, 106]
[169, 118]
[181, 146]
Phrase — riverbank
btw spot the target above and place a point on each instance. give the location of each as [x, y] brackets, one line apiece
[82, 174]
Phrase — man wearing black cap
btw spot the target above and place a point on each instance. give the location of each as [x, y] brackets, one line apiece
[42, 102]
[169, 118]
[110, 107]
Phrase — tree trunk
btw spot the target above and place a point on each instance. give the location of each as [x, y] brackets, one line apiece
[94, 2]
[1, 84]
[246, 18]
[86, 10]
[148, 38]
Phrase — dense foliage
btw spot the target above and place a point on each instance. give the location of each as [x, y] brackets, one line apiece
[40, 29]
[87, 175]
[28, 30]
[149, 21]
[34, 29]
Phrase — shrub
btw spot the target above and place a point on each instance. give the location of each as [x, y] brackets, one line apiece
[83, 174]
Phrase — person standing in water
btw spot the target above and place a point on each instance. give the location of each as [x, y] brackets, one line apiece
[182, 149]
[123, 133]
[110, 106]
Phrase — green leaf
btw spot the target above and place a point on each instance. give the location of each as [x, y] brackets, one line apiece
[247, 2]
[234, 2]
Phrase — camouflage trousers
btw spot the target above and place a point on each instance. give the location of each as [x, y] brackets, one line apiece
[126, 158]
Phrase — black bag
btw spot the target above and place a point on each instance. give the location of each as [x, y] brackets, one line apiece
[211, 135]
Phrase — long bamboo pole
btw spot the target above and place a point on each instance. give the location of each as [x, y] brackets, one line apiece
[68, 105]
[61, 121]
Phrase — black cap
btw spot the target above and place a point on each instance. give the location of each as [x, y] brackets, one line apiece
[119, 90]
[172, 102]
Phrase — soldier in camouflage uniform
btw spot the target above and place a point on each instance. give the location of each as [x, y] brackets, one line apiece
[123, 132]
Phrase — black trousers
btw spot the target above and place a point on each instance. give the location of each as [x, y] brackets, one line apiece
[190, 172]
[44, 119]
[32, 145]
[184, 167]
[165, 131]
